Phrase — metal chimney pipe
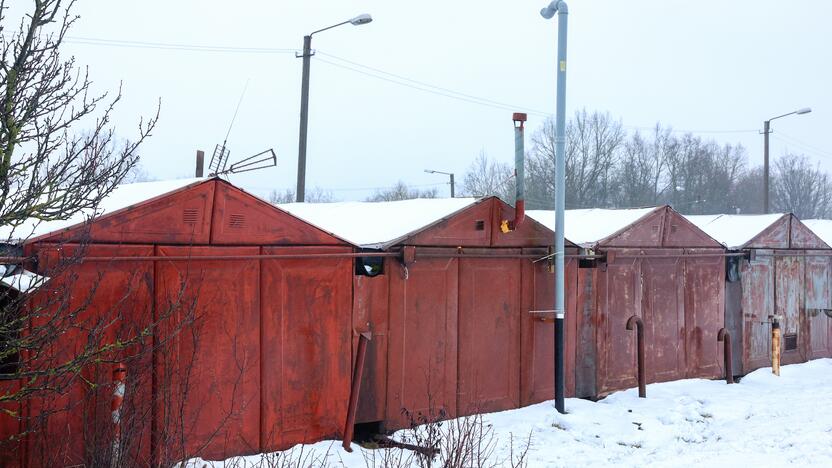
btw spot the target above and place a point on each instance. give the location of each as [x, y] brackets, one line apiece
[200, 162]
[519, 169]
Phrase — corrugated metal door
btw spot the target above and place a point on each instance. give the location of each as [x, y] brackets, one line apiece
[621, 287]
[306, 329]
[789, 276]
[704, 313]
[422, 356]
[489, 334]
[208, 369]
[757, 306]
[664, 320]
[818, 300]
[370, 298]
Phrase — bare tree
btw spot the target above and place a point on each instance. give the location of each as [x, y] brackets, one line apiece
[801, 188]
[593, 143]
[401, 191]
[642, 167]
[316, 195]
[58, 157]
[489, 177]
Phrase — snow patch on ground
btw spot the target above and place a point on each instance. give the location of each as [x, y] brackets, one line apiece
[762, 421]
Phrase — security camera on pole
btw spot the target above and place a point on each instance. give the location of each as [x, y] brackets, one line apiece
[559, 7]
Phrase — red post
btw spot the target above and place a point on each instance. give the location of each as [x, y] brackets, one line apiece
[642, 383]
[358, 371]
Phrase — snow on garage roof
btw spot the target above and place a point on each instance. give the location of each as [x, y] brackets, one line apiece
[734, 231]
[123, 196]
[372, 224]
[589, 226]
[821, 227]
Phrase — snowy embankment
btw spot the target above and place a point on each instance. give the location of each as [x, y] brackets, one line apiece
[762, 421]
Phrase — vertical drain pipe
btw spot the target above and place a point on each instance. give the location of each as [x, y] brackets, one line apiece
[639, 325]
[725, 337]
[358, 372]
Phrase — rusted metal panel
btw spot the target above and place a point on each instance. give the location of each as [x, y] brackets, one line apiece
[734, 323]
[107, 303]
[489, 335]
[586, 351]
[758, 306]
[180, 217]
[664, 317]
[818, 300]
[776, 236]
[620, 297]
[704, 313]
[537, 330]
[802, 237]
[422, 349]
[305, 332]
[529, 233]
[208, 371]
[789, 303]
[242, 219]
[677, 231]
[370, 298]
[646, 232]
[470, 227]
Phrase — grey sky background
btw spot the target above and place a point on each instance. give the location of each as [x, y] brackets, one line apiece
[717, 68]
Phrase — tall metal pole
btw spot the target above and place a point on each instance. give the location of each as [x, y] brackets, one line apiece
[304, 118]
[562, 11]
[766, 132]
[452, 185]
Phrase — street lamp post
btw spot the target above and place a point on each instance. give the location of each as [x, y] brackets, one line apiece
[304, 99]
[449, 174]
[766, 132]
[559, 7]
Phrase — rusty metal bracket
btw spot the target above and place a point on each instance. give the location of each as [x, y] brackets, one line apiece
[725, 337]
[546, 316]
[636, 322]
[358, 371]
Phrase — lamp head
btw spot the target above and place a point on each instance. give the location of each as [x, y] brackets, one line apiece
[361, 19]
[804, 110]
[549, 11]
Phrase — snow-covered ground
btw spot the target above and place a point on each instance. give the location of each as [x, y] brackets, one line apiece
[762, 421]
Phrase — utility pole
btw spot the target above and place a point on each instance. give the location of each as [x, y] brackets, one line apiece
[766, 169]
[449, 174]
[560, 8]
[304, 99]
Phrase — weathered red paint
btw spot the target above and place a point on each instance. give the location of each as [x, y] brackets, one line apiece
[670, 274]
[264, 364]
[305, 333]
[787, 277]
[369, 313]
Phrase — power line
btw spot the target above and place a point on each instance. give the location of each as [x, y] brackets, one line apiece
[174, 46]
[794, 141]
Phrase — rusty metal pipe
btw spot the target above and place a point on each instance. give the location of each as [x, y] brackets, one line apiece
[636, 322]
[725, 337]
[519, 169]
[358, 371]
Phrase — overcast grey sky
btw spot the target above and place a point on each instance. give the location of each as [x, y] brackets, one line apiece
[705, 66]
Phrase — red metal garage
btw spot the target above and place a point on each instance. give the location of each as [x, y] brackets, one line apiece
[657, 266]
[785, 275]
[251, 314]
[451, 322]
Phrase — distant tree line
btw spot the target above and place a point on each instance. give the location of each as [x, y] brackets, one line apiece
[608, 168]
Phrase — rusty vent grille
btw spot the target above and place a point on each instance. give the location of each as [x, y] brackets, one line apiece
[479, 225]
[237, 221]
[790, 342]
[190, 215]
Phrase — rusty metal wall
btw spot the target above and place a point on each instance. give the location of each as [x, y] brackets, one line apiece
[370, 298]
[704, 291]
[305, 346]
[789, 303]
[106, 306]
[537, 330]
[757, 278]
[208, 370]
[422, 349]
[489, 334]
[818, 301]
